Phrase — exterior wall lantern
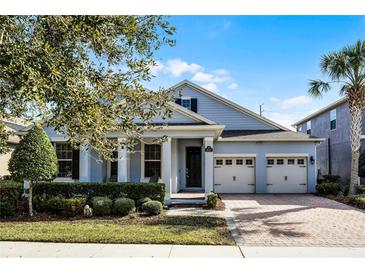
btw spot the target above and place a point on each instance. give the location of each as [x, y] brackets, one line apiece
[312, 161]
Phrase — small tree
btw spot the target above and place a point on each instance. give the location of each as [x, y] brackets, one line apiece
[362, 164]
[33, 159]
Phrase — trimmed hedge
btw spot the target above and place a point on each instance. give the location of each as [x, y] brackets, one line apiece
[141, 201]
[123, 206]
[11, 200]
[152, 207]
[135, 191]
[65, 206]
[102, 206]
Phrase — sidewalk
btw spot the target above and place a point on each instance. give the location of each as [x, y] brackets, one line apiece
[67, 250]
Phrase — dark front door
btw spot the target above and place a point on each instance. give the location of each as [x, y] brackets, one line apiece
[193, 167]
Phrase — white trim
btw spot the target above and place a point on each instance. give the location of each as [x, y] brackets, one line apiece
[362, 136]
[321, 111]
[273, 155]
[238, 155]
[142, 177]
[59, 139]
[191, 114]
[229, 103]
[64, 179]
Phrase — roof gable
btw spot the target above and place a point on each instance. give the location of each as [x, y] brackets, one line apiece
[223, 111]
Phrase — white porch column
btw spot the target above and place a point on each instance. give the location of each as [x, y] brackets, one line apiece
[208, 161]
[84, 165]
[123, 175]
[166, 167]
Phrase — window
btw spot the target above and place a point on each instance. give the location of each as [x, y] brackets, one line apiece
[249, 162]
[239, 162]
[300, 161]
[186, 103]
[228, 162]
[64, 157]
[270, 161]
[152, 160]
[333, 117]
[280, 161]
[291, 161]
[309, 127]
[219, 162]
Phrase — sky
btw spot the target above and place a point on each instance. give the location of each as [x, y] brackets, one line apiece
[255, 60]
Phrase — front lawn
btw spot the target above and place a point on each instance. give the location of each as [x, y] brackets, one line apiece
[128, 230]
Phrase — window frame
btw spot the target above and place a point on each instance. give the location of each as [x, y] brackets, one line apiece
[231, 162]
[333, 118]
[186, 99]
[63, 159]
[239, 161]
[309, 127]
[143, 160]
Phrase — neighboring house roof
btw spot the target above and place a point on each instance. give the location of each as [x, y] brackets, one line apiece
[14, 127]
[321, 111]
[228, 102]
[266, 135]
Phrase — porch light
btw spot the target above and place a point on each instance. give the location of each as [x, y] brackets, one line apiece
[312, 160]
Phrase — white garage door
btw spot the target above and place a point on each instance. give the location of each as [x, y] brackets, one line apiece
[286, 175]
[234, 175]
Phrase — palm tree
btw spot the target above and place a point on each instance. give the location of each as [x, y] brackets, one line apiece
[346, 68]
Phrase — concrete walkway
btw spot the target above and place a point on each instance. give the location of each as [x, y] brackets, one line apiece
[67, 250]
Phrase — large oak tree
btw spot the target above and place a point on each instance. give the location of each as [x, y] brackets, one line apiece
[71, 72]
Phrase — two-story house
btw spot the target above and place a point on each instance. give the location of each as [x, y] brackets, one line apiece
[332, 123]
[212, 144]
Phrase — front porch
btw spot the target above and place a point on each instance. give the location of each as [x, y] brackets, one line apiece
[184, 163]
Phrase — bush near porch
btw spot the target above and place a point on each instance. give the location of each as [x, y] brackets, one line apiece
[134, 191]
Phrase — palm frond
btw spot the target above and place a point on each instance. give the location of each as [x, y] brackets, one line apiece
[318, 87]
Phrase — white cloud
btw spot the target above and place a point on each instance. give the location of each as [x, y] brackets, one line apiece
[233, 86]
[156, 68]
[217, 76]
[212, 87]
[177, 67]
[296, 101]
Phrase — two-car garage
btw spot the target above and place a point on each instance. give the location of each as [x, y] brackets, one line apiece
[284, 174]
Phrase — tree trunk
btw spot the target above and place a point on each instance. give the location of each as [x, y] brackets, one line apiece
[356, 117]
[30, 198]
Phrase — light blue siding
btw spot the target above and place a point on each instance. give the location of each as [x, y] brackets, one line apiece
[97, 166]
[221, 113]
[135, 163]
[260, 149]
[176, 118]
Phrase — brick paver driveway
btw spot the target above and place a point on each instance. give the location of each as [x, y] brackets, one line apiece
[295, 220]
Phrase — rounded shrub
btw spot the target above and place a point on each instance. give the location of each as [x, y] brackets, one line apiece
[328, 188]
[141, 201]
[123, 206]
[212, 200]
[152, 207]
[102, 206]
[358, 201]
[73, 206]
[7, 209]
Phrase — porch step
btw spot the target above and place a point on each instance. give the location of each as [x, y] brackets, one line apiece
[187, 202]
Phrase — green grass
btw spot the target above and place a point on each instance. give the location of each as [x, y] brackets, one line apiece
[139, 230]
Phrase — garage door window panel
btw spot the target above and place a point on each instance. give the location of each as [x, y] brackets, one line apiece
[280, 161]
[219, 162]
[291, 161]
[249, 162]
[228, 162]
[239, 162]
[300, 161]
[270, 162]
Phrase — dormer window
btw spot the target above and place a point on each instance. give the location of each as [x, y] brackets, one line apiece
[186, 103]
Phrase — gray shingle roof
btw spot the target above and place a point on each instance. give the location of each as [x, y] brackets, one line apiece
[266, 135]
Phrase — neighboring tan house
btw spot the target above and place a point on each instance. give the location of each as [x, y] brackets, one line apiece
[332, 123]
[212, 144]
[13, 140]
